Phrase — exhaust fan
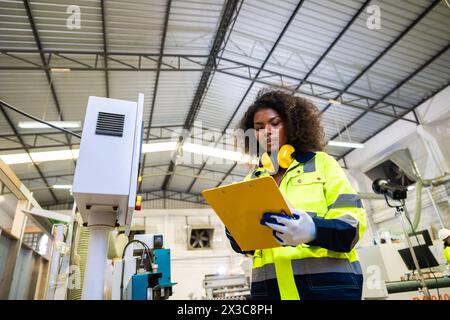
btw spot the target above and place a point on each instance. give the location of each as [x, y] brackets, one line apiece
[200, 237]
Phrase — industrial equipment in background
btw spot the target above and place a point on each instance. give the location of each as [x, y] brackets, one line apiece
[106, 178]
[219, 287]
[144, 273]
[400, 169]
[398, 193]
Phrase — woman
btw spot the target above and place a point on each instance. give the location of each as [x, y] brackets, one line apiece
[317, 257]
[444, 235]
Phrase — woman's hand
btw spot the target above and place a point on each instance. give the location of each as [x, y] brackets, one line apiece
[290, 231]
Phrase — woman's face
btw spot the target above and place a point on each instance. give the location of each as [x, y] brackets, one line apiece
[270, 130]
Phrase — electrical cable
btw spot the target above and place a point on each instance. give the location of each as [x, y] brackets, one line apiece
[150, 261]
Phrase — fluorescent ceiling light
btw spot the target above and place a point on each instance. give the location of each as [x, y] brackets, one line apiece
[15, 158]
[19, 158]
[216, 152]
[146, 148]
[39, 125]
[159, 147]
[62, 186]
[59, 69]
[345, 144]
[332, 101]
[54, 155]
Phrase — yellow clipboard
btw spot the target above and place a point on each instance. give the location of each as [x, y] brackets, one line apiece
[241, 206]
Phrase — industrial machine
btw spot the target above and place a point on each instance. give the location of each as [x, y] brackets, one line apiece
[145, 271]
[226, 286]
[106, 178]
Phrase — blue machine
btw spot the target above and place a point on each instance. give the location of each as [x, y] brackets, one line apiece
[154, 285]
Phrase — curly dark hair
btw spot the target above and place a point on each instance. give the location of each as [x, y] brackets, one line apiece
[300, 116]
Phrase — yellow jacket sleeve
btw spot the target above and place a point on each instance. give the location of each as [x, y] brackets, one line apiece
[345, 221]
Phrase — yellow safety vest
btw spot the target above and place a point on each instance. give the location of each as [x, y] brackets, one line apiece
[320, 187]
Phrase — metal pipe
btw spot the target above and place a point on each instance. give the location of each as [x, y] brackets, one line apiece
[94, 281]
[436, 209]
[399, 212]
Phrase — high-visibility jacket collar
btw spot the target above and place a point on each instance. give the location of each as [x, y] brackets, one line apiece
[300, 158]
[303, 157]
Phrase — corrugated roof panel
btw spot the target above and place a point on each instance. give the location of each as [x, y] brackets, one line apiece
[55, 25]
[361, 46]
[315, 27]
[425, 82]
[73, 61]
[63, 195]
[44, 140]
[164, 133]
[253, 36]
[201, 185]
[14, 60]
[74, 88]
[49, 168]
[174, 98]
[207, 179]
[28, 91]
[182, 179]
[251, 96]
[15, 30]
[24, 169]
[156, 158]
[43, 196]
[34, 142]
[368, 125]
[135, 26]
[230, 179]
[224, 94]
[220, 166]
[9, 142]
[153, 177]
[152, 183]
[127, 85]
[414, 50]
[192, 26]
[336, 117]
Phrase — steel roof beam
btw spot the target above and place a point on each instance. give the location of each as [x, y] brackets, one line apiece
[226, 20]
[155, 88]
[105, 47]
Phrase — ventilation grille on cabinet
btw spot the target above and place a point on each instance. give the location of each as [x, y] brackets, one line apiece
[110, 124]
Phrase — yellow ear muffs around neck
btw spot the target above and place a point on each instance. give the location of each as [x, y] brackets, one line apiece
[284, 158]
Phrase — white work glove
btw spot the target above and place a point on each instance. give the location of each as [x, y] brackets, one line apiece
[291, 231]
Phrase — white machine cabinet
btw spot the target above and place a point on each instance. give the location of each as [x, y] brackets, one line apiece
[106, 178]
[107, 169]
